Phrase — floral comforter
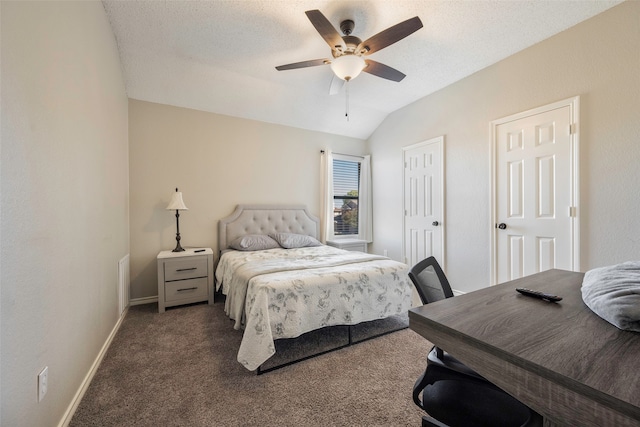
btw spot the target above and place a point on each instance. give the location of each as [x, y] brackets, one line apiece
[284, 293]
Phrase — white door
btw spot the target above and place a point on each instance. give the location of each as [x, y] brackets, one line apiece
[423, 201]
[535, 191]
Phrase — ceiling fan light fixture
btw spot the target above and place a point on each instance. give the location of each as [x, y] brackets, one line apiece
[348, 66]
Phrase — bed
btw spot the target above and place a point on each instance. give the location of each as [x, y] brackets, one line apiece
[298, 285]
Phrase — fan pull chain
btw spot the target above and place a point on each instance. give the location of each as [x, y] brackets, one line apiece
[347, 100]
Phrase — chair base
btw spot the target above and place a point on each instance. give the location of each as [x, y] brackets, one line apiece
[455, 396]
[431, 422]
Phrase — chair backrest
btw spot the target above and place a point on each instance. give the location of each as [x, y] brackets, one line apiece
[430, 282]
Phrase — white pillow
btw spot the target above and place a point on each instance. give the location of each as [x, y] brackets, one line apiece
[291, 240]
[254, 242]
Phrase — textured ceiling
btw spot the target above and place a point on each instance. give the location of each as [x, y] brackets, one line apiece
[220, 56]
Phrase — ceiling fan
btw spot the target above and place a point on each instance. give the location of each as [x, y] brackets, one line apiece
[349, 52]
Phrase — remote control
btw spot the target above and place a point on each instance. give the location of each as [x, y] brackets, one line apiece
[537, 294]
[199, 250]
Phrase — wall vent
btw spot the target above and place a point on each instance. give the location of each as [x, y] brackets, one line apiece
[124, 284]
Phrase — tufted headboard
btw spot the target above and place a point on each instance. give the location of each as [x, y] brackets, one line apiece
[265, 219]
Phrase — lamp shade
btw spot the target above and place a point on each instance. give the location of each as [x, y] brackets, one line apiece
[348, 66]
[176, 203]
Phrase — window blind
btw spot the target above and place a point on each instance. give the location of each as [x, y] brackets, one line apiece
[346, 181]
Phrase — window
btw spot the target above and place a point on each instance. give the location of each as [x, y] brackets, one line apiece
[346, 182]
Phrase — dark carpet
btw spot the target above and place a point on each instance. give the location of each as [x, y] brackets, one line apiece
[179, 368]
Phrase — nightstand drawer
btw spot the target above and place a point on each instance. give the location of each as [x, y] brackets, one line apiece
[184, 277]
[185, 268]
[186, 289]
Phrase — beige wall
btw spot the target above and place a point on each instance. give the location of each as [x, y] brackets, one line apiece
[217, 162]
[599, 60]
[64, 200]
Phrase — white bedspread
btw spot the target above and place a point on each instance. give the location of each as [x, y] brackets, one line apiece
[284, 293]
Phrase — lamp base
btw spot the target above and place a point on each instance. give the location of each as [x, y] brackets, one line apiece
[178, 247]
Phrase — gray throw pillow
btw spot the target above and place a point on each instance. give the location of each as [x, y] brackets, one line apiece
[254, 242]
[613, 293]
[292, 240]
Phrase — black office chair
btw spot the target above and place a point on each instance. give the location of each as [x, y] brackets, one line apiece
[453, 395]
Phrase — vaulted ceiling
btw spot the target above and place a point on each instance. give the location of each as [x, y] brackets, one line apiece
[220, 56]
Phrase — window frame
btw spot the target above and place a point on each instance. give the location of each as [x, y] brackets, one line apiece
[353, 159]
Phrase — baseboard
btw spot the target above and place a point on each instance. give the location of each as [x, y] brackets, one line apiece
[71, 410]
[145, 300]
[456, 292]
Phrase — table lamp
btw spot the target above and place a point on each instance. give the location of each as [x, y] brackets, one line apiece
[177, 204]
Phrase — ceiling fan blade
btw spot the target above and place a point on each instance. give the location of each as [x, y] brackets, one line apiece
[390, 35]
[384, 71]
[326, 30]
[303, 64]
[336, 85]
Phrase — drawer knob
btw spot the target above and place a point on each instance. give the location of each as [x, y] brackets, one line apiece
[187, 269]
[187, 289]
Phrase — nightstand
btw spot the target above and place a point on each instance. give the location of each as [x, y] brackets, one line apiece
[349, 244]
[185, 277]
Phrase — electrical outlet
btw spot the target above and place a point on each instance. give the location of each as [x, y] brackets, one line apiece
[43, 379]
[385, 253]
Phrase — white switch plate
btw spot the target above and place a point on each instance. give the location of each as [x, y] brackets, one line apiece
[43, 379]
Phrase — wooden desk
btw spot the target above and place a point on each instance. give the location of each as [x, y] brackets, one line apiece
[561, 359]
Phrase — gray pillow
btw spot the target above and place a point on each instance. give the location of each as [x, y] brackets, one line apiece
[254, 242]
[291, 240]
[613, 293]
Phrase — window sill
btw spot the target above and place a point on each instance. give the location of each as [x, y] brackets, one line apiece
[349, 244]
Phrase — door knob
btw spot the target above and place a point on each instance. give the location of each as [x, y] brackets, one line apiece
[501, 226]
[435, 223]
